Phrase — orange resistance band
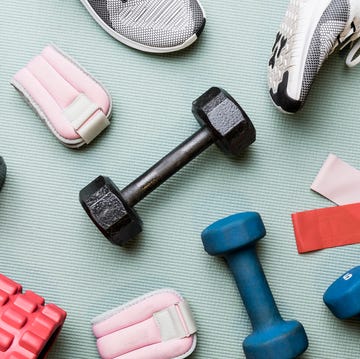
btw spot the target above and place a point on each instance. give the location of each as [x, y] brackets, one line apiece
[327, 227]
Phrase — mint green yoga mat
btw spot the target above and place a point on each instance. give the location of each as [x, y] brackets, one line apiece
[47, 242]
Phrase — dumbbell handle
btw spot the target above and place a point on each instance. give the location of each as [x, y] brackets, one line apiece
[167, 166]
[254, 288]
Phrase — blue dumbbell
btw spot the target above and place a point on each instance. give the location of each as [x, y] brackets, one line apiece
[234, 238]
[2, 171]
[343, 296]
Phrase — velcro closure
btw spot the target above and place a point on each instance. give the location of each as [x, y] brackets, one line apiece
[87, 119]
[176, 321]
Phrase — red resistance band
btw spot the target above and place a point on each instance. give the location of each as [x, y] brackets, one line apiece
[327, 227]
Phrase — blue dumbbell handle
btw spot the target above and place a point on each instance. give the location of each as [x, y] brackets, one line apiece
[254, 288]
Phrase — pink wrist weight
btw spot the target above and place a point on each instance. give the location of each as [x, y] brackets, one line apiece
[74, 106]
[158, 325]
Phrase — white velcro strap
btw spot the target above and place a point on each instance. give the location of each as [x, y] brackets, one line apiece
[176, 321]
[94, 127]
[86, 117]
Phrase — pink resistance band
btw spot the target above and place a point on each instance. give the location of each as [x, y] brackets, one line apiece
[327, 227]
[74, 106]
[338, 181]
[158, 325]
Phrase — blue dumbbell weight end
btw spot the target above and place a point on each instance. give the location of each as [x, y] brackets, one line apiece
[2, 171]
[234, 238]
[343, 296]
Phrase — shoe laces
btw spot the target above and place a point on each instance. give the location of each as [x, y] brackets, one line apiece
[351, 36]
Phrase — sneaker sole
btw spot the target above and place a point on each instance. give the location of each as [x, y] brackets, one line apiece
[281, 100]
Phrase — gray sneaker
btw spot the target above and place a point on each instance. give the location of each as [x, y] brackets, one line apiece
[310, 32]
[150, 25]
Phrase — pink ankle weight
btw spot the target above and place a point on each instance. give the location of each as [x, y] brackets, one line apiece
[158, 325]
[74, 106]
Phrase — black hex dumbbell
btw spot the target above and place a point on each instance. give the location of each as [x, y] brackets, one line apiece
[2, 171]
[223, 122]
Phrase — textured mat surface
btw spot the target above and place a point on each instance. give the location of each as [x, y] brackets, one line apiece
[49, 245]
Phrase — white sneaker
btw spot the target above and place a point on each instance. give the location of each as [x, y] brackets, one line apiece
[311, 30]
[150, 25]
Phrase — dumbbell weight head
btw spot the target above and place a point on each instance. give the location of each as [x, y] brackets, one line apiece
[233, 233]
[223, 122]
[342, 297]
[2, 171]
[234, 238]
[285, 340]
[230, 125]
[103, 202]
